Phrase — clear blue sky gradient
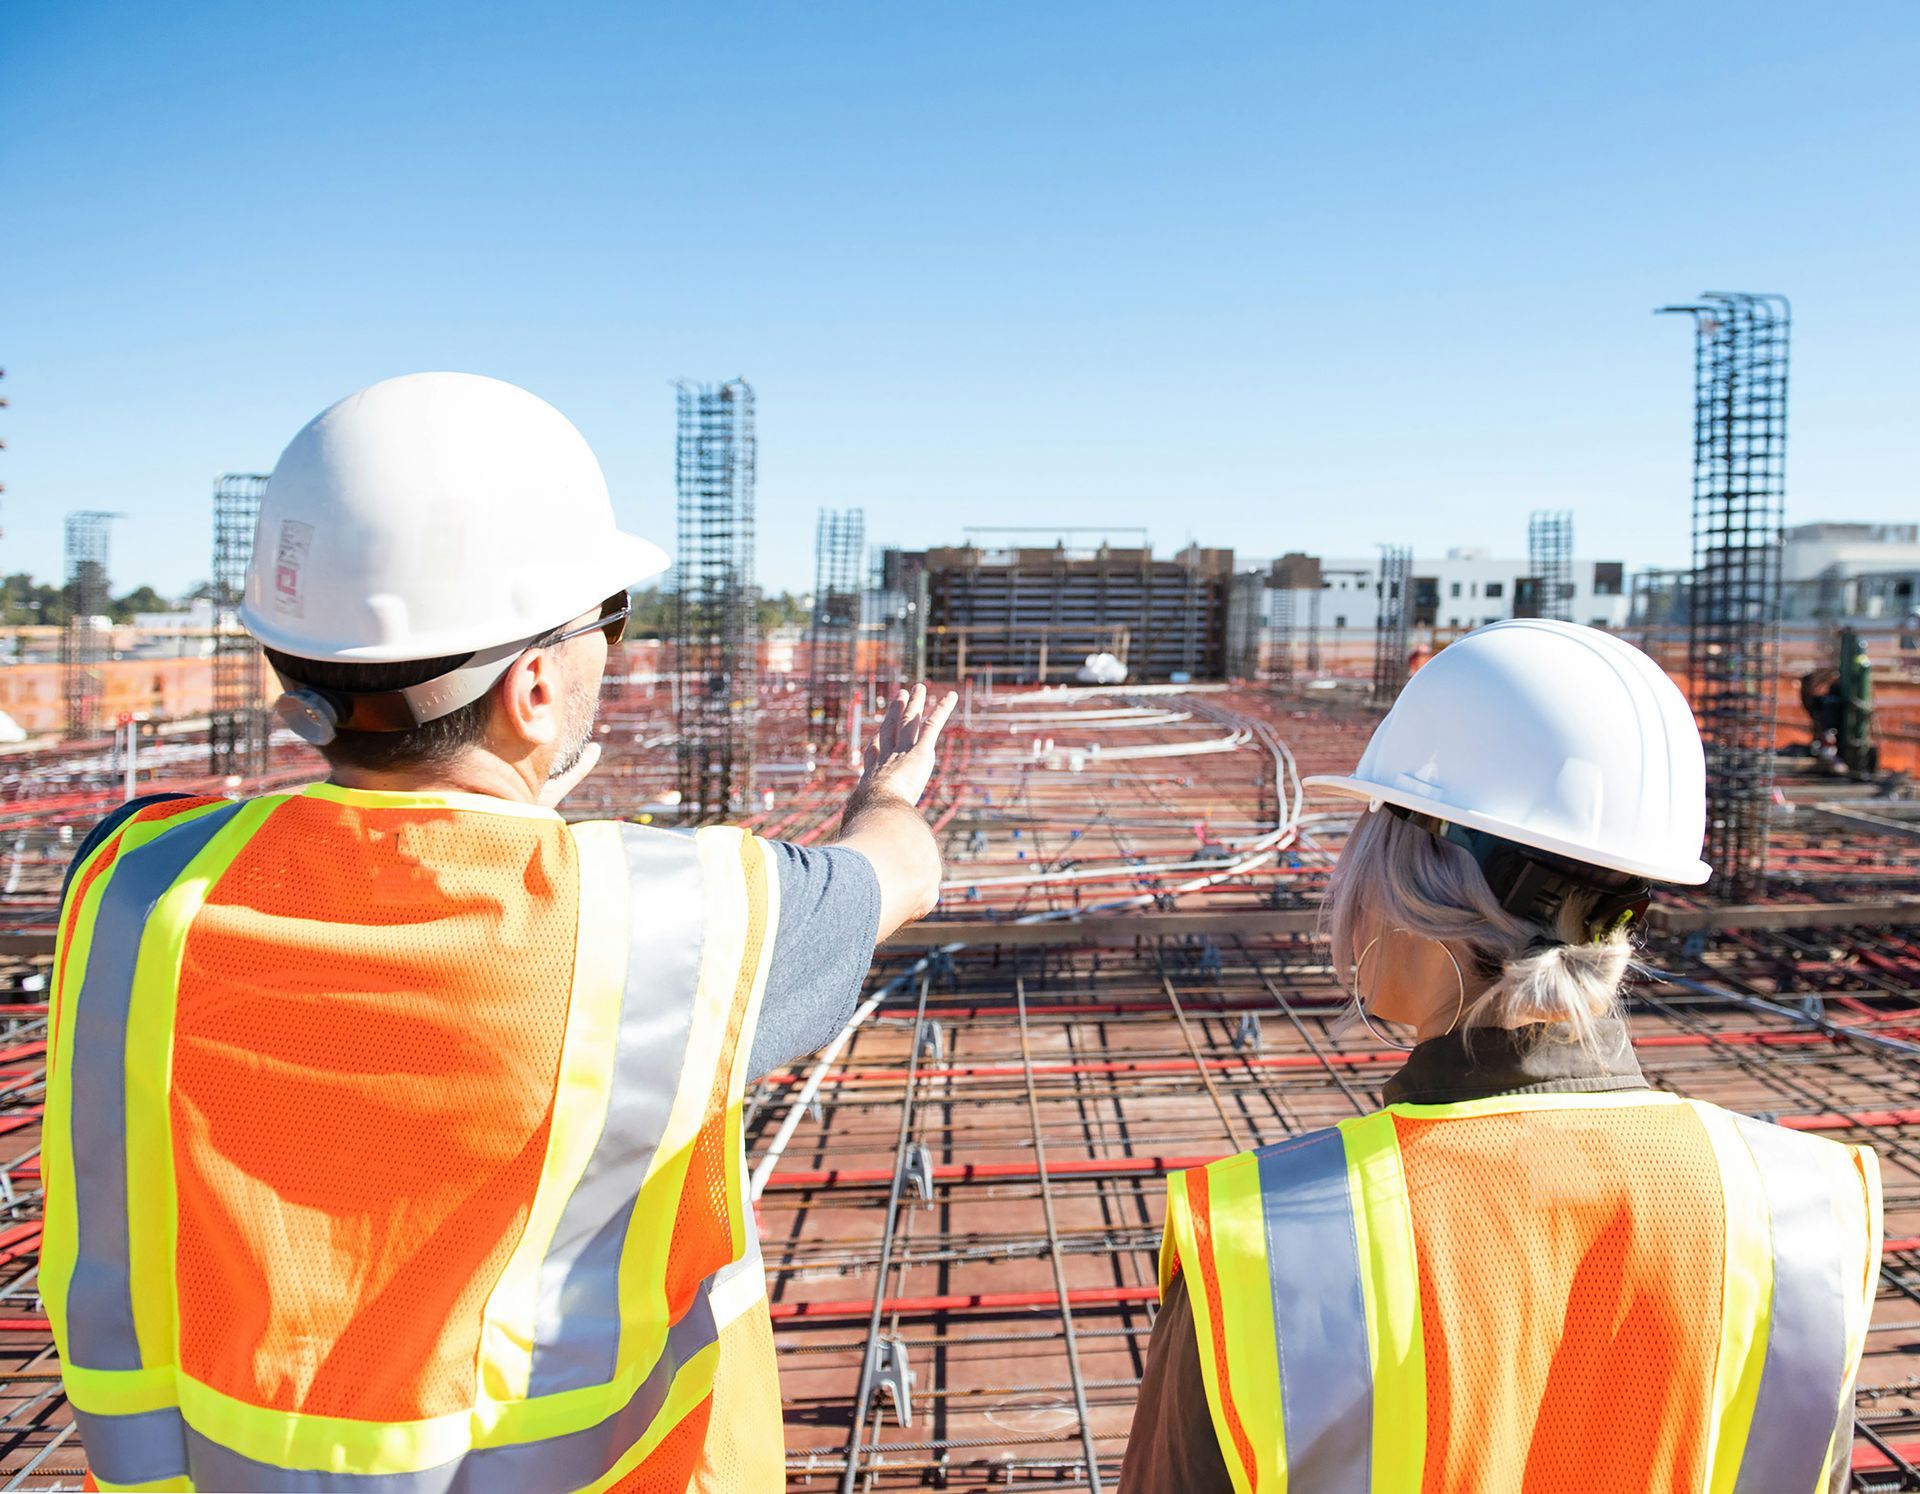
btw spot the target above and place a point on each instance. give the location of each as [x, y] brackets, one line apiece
[1269, 276]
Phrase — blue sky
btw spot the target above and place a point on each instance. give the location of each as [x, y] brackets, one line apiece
[1274, 277]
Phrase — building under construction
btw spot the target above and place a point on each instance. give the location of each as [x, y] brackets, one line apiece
[1037, 614]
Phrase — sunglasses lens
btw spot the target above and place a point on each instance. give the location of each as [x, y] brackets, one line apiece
[613, 617]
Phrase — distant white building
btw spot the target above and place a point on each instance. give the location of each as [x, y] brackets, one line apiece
[1863, 571]
[1466, 588]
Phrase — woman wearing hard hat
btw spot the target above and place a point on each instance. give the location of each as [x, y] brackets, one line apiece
[1529, 1270]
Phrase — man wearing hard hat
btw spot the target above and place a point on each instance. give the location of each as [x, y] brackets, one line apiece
[393, 1124]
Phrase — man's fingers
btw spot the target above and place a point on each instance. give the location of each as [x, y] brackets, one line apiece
[936, 718]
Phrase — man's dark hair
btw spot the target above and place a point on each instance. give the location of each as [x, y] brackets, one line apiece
[434, 742]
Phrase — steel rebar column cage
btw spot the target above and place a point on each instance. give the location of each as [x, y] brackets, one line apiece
[237, 729]
[716, 623]
[1550, 559]
[83, 646]
[840, 551]
[1733, 614]
[1390, 631]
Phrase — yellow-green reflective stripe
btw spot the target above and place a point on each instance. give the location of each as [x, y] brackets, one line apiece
[150, 1446]
[1237, 1224]
[1746, 1290]
[1806, 1359]
[577, 1333]
[1319, 1313]
[1180, 1254]
[569, 1460]
[1383, 1237]
[99, 1296]
[1614, 1099]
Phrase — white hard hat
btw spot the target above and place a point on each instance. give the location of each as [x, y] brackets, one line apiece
[1553, 736]
[432, 515]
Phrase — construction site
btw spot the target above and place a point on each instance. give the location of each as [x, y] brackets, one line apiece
[959, 1201]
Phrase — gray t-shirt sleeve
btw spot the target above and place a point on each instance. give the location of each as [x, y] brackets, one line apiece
[829, 917]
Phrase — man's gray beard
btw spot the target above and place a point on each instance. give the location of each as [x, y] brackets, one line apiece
[585, 704]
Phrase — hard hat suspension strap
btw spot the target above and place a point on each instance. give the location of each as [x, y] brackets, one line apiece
[316, 712]
[1534, 885]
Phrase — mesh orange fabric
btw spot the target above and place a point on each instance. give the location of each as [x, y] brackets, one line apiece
[1570, 1270]
[668, 1469]
[371, 1007]
[703, 1226]
[1198, 1199]
[744, 1451]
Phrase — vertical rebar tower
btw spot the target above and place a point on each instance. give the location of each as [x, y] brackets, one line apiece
[1550, 558]
[83, 648]
[1280, 632]
[237, 729]
[839, 563]
[1733, 616]
[716, 633]
[1390, 631]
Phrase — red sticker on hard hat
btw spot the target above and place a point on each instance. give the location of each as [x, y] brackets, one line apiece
[289, 559]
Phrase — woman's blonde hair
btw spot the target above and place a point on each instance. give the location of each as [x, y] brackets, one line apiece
[1393, 875]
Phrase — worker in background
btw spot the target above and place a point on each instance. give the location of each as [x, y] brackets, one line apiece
[1854, 737]
[393, 1124]
[1530, 1271]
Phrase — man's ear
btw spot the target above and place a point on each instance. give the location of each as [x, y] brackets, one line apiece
[527, 700]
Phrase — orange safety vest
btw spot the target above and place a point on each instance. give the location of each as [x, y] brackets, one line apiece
[393, 1144]
[1603, 1293]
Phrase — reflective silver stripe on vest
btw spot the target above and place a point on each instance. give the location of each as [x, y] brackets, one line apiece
[1319, 1314]
[142, 1448]
[569, 1461]
[1805, 1369]
[577, 1322]
[100, 1332]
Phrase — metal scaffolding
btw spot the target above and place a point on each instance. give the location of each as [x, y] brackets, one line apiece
[1390, 631]
[1550, 559]
[716, 632]
[237, 729]
[839, 561]
[83, 647]
[1733, 618]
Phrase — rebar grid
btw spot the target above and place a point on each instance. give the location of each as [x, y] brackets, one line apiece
[716, 627]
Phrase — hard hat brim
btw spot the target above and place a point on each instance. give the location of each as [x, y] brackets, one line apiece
[609, 563]
[1690, 874]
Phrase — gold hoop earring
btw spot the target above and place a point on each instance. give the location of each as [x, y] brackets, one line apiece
[1460, 1008]
[1360, 1003]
